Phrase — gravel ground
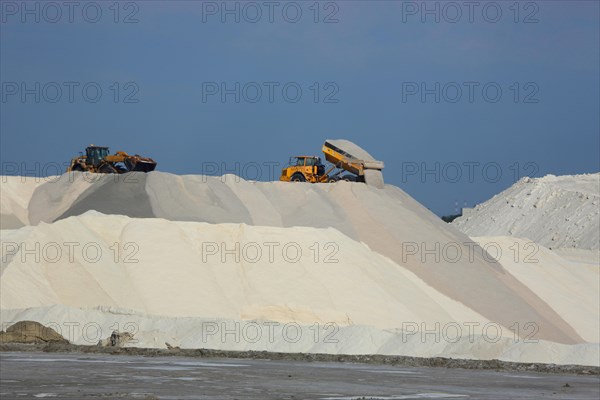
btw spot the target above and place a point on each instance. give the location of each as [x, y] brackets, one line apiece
[401, 361]
[77, 375]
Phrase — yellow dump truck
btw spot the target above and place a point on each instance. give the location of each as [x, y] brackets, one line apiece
[348, 161]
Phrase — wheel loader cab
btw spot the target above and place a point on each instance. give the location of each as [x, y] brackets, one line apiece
[95, 154]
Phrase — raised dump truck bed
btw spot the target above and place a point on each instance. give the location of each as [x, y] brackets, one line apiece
[354, 159]
[344, 156]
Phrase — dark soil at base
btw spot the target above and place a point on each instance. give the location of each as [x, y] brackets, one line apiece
[399, 361]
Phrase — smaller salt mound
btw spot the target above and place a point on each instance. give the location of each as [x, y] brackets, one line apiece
[15, 193]
[571, 288]
[556, 212]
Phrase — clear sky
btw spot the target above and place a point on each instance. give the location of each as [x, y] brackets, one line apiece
[457, 98]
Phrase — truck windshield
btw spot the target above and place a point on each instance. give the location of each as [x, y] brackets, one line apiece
[96, 154]
[300, 162]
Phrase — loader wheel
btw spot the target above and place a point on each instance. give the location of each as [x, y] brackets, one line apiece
[77, 167]
[107, 169]
[298, 178]
[332, 180]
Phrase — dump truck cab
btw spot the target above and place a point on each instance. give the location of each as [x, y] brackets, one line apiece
[304, 169]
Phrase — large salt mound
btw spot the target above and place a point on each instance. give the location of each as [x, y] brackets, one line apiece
[168, 288]
[389, 221]
[556, 212]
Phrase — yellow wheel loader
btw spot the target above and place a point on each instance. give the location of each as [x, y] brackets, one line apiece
[348, 161]
[97, 159]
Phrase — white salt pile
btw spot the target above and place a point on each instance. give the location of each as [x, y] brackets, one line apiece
[179, 256]
[554, 211]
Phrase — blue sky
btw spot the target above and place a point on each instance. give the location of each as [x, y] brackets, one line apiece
[361, 75]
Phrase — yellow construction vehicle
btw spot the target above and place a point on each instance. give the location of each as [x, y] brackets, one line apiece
[344, 156]
[97, 159]
[304, 169]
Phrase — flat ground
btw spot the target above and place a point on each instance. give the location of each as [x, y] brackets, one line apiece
[73, 375]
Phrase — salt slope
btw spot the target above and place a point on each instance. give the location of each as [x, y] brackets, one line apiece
[554, 211]
[85, 326]
[389, 221]
[572, 288]
[15, 193]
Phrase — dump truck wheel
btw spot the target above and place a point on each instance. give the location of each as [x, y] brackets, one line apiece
[298, 178]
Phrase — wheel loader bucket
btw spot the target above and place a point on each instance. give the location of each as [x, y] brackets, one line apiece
[140, 164]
